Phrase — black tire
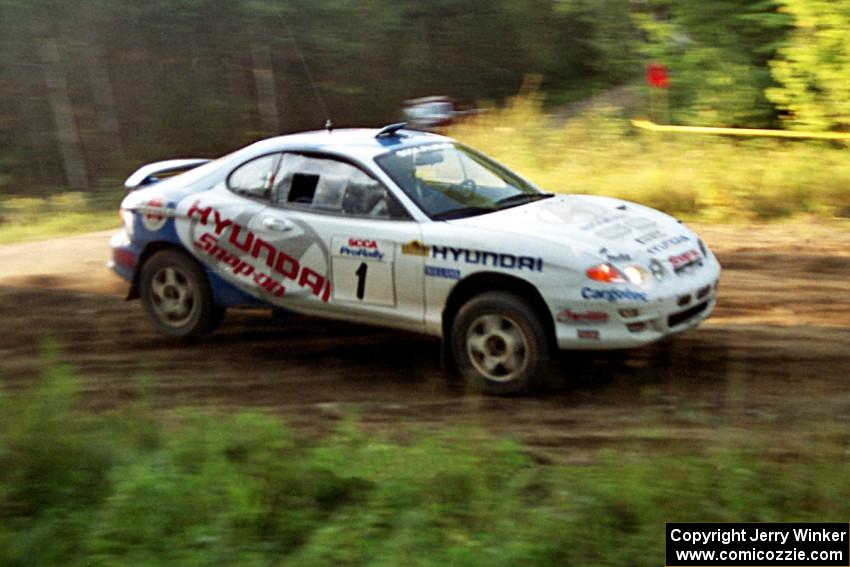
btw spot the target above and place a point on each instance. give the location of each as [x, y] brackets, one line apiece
[281, 314]
[176, 296]
[499, 344]
[218, 313]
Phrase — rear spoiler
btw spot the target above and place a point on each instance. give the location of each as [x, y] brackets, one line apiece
[157, 171]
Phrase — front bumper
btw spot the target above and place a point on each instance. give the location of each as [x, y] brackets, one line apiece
[602, 325]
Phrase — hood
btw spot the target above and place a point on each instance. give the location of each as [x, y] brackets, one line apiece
[611, 229]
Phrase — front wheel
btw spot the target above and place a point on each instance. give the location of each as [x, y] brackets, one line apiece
[499, 344]
[176, 296]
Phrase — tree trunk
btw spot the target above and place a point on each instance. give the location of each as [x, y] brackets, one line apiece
[101, 85]
[266, 93]
[63, 115]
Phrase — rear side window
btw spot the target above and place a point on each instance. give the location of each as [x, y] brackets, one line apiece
[331, 186]
[255, 178]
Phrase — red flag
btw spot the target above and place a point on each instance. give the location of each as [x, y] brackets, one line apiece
[656, 76]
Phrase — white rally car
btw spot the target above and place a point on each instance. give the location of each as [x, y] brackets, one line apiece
[414, 231]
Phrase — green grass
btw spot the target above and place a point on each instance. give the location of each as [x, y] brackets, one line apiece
[32, 218]
[139, 487]
[697, 177]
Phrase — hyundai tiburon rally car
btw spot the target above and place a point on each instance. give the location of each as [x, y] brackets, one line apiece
[409, 230]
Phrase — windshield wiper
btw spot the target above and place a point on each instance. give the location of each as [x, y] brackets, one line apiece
[521, 199]
[462, 212]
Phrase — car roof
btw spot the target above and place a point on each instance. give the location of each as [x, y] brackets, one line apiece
[360, 141]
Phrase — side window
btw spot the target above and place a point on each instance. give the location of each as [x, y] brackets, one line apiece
[332, 186]
[254, 178]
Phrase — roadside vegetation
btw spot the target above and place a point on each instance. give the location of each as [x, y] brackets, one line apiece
[698, 177]
[695, 177]
[188, 487]
[34, 218]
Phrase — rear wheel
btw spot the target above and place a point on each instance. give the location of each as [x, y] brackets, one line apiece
[176, 296]
[499, 343]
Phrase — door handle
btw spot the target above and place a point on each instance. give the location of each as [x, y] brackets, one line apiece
[278, 224]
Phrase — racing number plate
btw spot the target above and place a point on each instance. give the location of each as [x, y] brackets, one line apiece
[363, 270]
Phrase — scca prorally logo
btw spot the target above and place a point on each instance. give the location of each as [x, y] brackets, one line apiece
[613, 295]
[362, 248]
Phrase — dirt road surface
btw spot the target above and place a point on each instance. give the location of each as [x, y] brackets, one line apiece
[774, 358]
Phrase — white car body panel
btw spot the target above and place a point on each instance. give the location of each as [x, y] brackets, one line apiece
[400, 273]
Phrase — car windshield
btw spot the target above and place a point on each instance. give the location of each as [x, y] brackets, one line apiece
[449, 181]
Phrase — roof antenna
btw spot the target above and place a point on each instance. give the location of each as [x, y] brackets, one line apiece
[328, 123]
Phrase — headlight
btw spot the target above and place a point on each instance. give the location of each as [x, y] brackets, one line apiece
[608, 273]
[635, 274]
